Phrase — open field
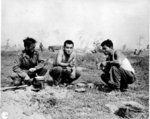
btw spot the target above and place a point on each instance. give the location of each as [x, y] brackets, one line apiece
[68, 104]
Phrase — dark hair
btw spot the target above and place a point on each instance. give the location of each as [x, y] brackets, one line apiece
[68, 42]
[108, 43]
[28, 41]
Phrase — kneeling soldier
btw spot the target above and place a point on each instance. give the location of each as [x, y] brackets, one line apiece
[28, 64]
[64, 68]
[118, 72]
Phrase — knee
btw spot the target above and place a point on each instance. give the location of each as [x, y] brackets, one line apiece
[105, 76]
[131, 80]
[55, 71]
[114, 68]
[44, 71]
[58, 69]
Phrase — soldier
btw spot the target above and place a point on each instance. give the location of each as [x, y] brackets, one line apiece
[135, 52]
[118, 72]
[28, 64]
[64, 69]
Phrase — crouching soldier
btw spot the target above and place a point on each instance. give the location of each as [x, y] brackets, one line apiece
[64, 69]
[118, 72]
[28, 64]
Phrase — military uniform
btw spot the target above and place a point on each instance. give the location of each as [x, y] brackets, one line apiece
[24, 63]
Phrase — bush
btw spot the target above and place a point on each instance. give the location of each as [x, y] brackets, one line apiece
[8, 53]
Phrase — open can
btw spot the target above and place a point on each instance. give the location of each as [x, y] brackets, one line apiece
[41, 81]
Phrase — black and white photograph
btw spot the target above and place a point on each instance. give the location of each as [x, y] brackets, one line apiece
[74, 59]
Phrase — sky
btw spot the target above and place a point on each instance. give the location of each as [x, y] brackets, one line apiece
[52, 22]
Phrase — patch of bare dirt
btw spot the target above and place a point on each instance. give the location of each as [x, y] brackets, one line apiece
[65, 103]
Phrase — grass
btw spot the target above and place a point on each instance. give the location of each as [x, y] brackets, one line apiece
[91, 104]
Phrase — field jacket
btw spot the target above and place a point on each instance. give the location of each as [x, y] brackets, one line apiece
[24, 62]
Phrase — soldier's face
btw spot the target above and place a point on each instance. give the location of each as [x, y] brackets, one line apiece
[106, 50]
[68, 48]
[30, 48]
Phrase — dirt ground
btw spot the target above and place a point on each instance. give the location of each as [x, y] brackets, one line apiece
[66, 103]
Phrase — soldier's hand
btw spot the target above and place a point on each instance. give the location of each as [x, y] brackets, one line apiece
[101, 65]
[68, 69]
[73, 75]
[32, 69]
[72, 63]
[104, 64]
[27, 78]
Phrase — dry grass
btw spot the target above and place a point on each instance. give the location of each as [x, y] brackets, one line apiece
[91, 104]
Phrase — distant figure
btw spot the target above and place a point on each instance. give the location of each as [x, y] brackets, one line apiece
[28, 64]
[140, 51]
[135, 52]
[64, 70]
[118, 72]
[41, 47]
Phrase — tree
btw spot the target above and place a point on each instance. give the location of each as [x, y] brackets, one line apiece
[124, 47]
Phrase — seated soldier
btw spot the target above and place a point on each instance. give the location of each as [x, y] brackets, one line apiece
[64, 69]
[28, 64]
[118, 72]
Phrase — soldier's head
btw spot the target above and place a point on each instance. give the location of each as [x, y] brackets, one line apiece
[68, 47]
[29, 44]
[107, 46]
